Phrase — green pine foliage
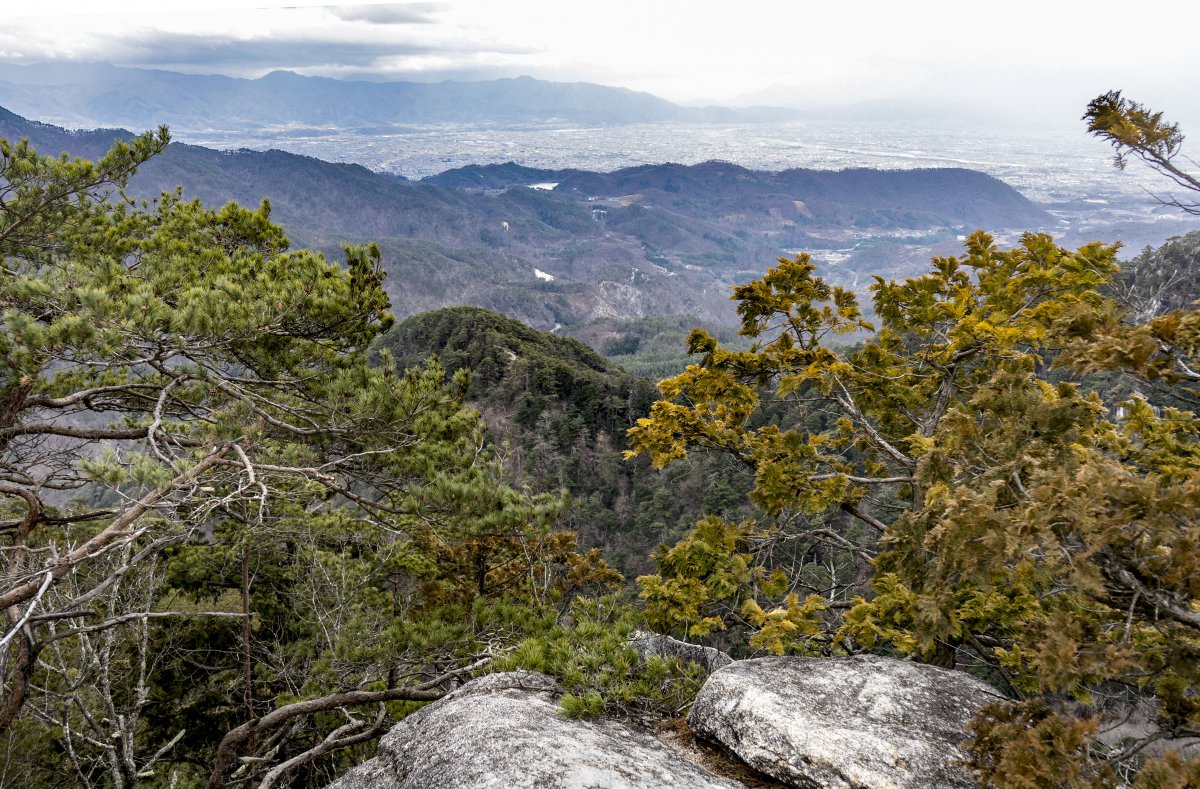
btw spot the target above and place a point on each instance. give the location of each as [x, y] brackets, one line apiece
[589, 653]
[215, 508]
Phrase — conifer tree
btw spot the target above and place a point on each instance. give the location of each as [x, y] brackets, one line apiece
[198, 467]
[1028, 527]
[1134, 130]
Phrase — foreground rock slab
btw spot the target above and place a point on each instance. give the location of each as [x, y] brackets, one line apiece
[505, 730]
[863, 722]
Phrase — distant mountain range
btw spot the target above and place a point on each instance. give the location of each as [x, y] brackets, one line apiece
[897, 198]
[96, 94]
[597, 249]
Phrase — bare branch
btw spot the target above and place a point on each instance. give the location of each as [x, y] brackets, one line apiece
[135, 617]
[1160, 602]
[873, 522]
[840, 541]
[96, 545]
[152, 429]
[862, 480]
[342, 737]
[84, 395]
[227, 751]
[16, 628]
[67, 431]
[145, 772]
[846, 401]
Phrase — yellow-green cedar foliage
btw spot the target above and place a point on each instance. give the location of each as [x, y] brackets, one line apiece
[1025, 523]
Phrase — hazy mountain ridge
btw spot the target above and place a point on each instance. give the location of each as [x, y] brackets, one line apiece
[656, 240]
[729, 193]
[948, 196]
[486, 177]
[100, 94]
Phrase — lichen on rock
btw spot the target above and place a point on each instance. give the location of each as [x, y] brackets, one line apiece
[862, 722]
[506, 731]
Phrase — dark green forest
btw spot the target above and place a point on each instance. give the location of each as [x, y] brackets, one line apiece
[558, 412]
[251, 520]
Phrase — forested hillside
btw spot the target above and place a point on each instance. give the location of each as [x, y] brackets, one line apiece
[1162, 279]
[598, 251]
[559, 413]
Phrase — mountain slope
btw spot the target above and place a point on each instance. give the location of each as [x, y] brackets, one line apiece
[513, 363]
[561, 411]
[666, 240]
[906, 198]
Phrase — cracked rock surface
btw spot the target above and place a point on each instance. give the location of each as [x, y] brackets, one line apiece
[506, 731]
[862, 722]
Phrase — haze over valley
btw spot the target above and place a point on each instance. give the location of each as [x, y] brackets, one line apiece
[579, 207]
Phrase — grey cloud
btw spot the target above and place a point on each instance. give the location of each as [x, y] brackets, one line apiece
[388, 14]
[217, 51]
[299, 50]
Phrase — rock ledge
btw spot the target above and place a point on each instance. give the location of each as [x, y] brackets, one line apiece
[862, 722]
[506, 731]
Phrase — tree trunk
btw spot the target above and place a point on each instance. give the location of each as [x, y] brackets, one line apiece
[247, 662]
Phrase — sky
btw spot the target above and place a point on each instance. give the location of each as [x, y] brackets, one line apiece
[1040, 61]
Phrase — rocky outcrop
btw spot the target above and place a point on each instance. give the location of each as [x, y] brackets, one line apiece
[506, 730]
[646, 644]
[863, 722]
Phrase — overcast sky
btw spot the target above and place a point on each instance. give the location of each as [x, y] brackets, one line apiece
[1042, 59]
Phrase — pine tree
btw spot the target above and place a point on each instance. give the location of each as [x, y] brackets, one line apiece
[207, 486]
